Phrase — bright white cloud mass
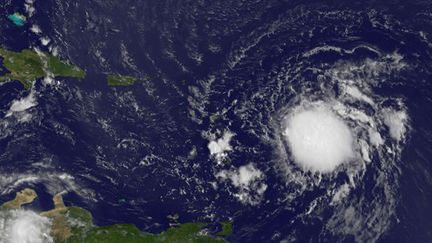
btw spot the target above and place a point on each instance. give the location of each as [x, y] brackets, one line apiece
[395, 121]
[318, 139]
[22, 226]
[220, 147]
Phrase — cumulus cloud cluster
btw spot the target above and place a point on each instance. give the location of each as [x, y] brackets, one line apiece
[20, 106]
[248, 180]
[219, 148]
[396, 122]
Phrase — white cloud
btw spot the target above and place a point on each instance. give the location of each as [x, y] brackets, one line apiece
[29, 7]
[248, 181]
[36, 29]
[22, 226]
[319, 140]
[375, 138]
[220, 147]
[396, 122]
[45, 40]
[340, 194]
[355, 93]
[54, 182]
[19, 107]
[23, 103]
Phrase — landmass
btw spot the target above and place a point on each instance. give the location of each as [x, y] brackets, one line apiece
[226, 229]
[29, 65]
[18, 19]
[25, 196]
[75, 225]
[120, 80]
[215, 117]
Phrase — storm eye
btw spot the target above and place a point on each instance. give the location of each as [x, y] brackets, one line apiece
[318, 139]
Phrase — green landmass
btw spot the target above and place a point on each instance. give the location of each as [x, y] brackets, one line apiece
[120, 80]
[189, 232]
[226, 229]
[29, 65]
[214, 117]
[75, 225]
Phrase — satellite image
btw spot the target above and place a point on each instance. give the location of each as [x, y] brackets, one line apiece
[245, 121]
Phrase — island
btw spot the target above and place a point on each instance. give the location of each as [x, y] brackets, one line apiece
[120, 80]
[28, 65]
[75, 225]
[18, 19]
[226, 229]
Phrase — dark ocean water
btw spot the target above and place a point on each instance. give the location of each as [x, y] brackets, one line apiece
[138, 154]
